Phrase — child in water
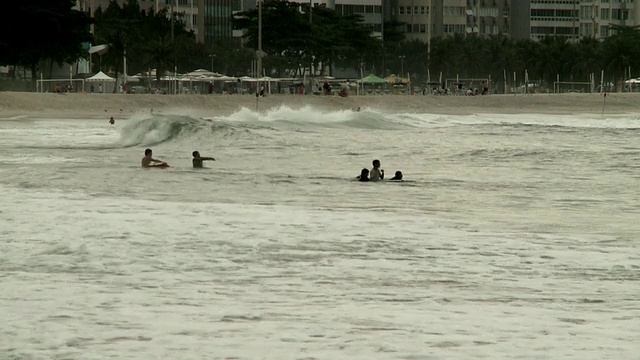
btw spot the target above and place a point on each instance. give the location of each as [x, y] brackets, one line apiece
[197, 159]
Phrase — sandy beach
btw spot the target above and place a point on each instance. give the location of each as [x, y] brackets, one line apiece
[90, 105]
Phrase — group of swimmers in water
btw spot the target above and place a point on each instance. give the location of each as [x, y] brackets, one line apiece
[376, 174]
[148, 161]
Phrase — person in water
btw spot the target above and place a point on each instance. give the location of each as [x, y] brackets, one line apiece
[364, 175]
[397, 177]
[376, 174]
[148, 160]
[197, 159]
[112, 121]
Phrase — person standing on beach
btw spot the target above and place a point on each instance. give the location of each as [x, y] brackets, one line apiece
[376, 174]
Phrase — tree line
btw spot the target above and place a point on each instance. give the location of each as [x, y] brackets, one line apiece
[295, 38]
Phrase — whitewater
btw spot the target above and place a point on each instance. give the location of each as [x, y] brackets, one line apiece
[513, 236]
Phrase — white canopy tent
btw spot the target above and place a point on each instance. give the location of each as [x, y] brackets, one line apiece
[100, 76]
[103, 79]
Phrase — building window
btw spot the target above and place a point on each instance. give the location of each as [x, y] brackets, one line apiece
[604, 31]
[615, 14]
[453, 29]
[423, 10]
[423, 28]
[401, 10]
[604, 14]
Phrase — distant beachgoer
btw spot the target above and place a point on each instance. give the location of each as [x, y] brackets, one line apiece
[376, 174]
[112, 121]
[364, 175]
[397, 177]
[197, 159]
[148, 159]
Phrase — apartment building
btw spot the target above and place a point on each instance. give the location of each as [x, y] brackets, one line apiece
[573, 19]
[425, 19]
[596, 16]
[214, 19]
[488, 17]
[372, 11]
[536, 19]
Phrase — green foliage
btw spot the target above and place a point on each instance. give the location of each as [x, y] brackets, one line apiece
[291, 41]
[146, 37]
[473, 57]
[55, 32]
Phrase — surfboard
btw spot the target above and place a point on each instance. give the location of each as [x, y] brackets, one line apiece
[161, 165]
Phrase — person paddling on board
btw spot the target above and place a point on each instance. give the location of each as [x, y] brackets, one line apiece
[149, 161]
[197, 159]
[376, 174]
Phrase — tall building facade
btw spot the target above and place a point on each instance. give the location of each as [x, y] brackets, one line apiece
[536, 19]
[370, 10]
[425, 19]
[597, 16]
[214, 19]
[574, 19]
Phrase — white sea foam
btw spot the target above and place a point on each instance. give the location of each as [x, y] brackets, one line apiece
[513, 237]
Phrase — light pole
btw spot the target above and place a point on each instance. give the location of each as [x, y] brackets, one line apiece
[401, 57]
[212, 56]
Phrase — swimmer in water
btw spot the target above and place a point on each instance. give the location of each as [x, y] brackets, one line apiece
[112, 121]
[148, 159]
[376, 174]
[197, 159]
[397, 177]
[364, 175]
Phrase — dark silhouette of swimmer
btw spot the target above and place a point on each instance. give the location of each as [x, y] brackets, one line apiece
[397, 177]
[197, 159]
[364, 175]
[112, 121]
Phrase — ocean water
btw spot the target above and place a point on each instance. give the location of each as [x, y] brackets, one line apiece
[513, 237]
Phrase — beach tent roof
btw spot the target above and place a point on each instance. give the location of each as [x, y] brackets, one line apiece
[393, 78]
[99, 49]
[372, 79]
[100, 76]
[202, 72]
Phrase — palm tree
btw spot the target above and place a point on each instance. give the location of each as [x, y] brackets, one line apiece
[588, 58]
[160, 54]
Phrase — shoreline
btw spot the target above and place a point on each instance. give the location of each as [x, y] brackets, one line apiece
[13, 104]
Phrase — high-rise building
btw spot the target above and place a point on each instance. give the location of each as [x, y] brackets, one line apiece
[596, 16]
[536, 19]
[214, 19]
[573, 19]
[425, 19]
